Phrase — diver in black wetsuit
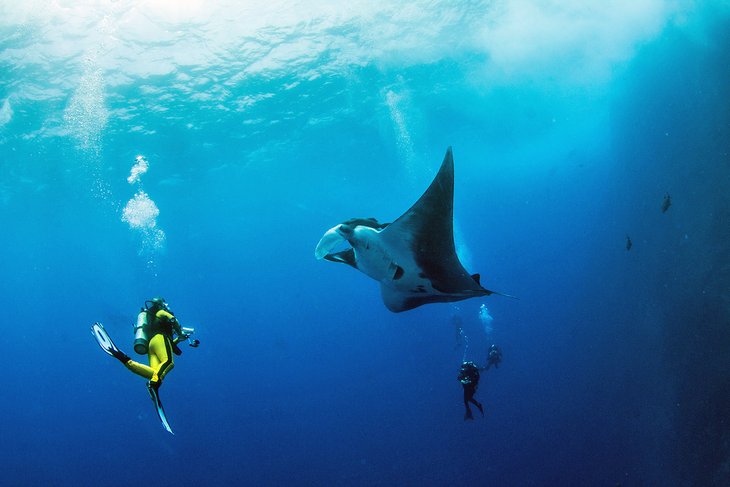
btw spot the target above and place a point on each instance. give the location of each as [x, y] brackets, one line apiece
[469, 378]
[494, 357]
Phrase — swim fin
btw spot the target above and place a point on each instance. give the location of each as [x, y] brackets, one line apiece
[106, 343]
[158, 407]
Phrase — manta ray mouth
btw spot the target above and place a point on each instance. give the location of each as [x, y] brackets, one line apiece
[330, 241]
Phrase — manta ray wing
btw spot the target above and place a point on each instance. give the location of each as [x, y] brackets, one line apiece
[421, 242]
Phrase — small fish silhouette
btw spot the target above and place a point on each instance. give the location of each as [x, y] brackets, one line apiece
[666, 203]
[629, 244]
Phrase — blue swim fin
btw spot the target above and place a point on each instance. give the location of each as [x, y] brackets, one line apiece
[106, 343]
[158, 407]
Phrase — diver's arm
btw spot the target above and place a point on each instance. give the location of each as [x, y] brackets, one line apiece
[176, 327]
[181, 336]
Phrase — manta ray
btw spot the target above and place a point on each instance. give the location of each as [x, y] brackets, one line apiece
[414, 258]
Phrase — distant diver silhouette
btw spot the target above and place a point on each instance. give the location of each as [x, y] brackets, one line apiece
[494, 357]
[666, 203]
[469, 379]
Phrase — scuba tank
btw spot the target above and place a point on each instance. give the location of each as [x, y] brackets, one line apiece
[141, 341]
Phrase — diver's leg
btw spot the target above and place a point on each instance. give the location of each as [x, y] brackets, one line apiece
[140, 369]
[467, 413]
[106, 343]
[160, 358]
[467, 398]
[478, 405]
[474, 401]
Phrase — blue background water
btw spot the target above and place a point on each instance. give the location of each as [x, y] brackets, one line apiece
[266, 125]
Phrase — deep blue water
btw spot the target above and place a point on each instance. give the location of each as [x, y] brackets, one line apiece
[265, 125]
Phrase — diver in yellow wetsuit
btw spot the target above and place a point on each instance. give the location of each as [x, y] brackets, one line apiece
[160, 332]
[162, 326]
[156, 333]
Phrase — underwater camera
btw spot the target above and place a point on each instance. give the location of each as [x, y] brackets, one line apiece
[193, 342]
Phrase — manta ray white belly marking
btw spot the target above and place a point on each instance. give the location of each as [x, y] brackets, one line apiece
[413, 258]
[373, 259]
